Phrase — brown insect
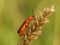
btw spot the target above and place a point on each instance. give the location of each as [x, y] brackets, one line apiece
[25, 25]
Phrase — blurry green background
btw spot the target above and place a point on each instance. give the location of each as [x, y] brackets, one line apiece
[14, 12]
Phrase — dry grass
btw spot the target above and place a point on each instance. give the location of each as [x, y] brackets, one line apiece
[35, 29]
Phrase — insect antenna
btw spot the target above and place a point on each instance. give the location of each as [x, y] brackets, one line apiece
[32, 11]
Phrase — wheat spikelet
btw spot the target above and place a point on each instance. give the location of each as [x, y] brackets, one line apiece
[35, 29]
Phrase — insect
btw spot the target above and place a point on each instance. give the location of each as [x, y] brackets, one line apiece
[25, 25]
